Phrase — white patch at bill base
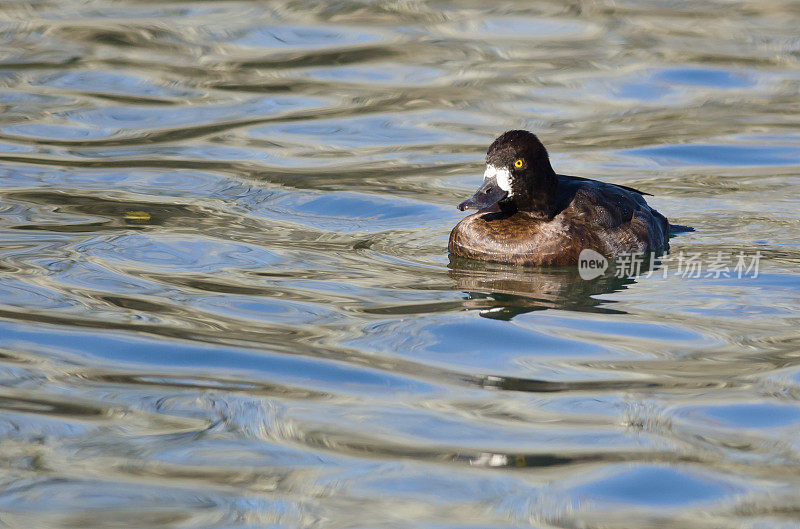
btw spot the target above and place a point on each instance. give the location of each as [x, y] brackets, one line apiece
[502, 175]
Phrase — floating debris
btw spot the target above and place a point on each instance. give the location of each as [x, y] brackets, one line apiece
[137, 216]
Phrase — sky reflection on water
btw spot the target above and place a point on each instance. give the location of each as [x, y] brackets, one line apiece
[226, 301]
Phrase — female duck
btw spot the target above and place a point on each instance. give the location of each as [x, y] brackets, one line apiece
[529, 215]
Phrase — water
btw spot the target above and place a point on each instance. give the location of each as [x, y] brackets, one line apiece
[226, 301]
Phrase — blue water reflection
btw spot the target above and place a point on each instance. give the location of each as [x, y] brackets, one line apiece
[226, 300]
[656, 486]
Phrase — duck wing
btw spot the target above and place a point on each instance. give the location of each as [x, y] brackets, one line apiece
[582, 179]
[673, 228]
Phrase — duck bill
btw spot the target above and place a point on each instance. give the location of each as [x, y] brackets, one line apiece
[487, 196]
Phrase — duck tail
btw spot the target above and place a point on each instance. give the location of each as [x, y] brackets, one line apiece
[678, 228]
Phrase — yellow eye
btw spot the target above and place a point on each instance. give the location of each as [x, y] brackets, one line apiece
[518, 164]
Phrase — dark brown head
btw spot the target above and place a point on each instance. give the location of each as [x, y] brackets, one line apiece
[518, 175]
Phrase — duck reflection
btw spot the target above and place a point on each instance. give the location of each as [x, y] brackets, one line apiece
[501, 291]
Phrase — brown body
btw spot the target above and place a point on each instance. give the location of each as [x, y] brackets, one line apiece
[585, 214]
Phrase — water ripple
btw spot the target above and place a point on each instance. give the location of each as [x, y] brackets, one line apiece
[225, 299]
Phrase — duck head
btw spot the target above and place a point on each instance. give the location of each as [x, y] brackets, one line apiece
[518, 176]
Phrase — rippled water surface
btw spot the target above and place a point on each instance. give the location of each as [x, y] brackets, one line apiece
[226, 300]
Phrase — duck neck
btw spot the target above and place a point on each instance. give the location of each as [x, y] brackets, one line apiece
[541, 191]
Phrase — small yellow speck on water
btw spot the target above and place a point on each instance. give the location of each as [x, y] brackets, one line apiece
[137, 216]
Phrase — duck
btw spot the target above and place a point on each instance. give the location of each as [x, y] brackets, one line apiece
[528, 215]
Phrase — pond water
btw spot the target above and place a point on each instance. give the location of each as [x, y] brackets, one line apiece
[226, 299]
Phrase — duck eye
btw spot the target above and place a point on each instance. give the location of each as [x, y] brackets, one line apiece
[518, 163]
